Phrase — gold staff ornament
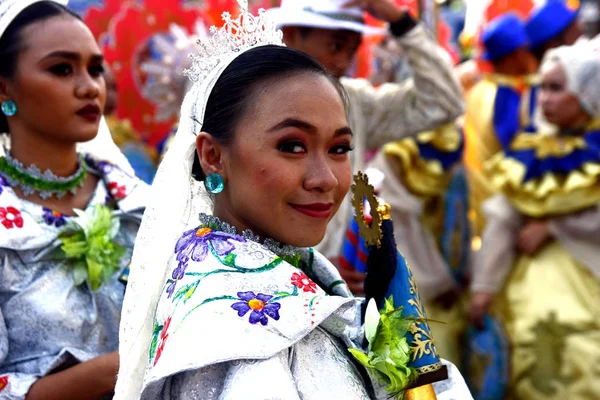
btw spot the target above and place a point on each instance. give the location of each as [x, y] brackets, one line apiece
[361, 190]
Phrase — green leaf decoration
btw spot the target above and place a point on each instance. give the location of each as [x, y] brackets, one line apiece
[88, 241]
[388, 353]
[230, 260]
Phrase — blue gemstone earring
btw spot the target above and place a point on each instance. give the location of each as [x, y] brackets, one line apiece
[9, 108]
[214, 183]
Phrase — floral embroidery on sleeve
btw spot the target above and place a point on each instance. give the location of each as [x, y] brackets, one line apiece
[303, 282]
[195, 245]
[11, 218]
[262, 306]
[159, 340]
[117, 191]
[54, 218]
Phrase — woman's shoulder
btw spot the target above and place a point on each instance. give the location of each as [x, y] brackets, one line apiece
[127, 192]
[228, 298]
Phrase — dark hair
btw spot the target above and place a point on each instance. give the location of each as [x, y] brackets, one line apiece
[11, 42]
[233, 92]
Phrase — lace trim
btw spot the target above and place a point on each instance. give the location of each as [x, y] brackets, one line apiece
[283, 250]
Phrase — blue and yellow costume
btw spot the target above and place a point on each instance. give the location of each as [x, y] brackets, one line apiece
[498, 108]
[548, 303]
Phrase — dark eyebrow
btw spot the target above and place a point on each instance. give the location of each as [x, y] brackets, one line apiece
[344, 131]
[307, 127]
[69, 55]
[294, 123]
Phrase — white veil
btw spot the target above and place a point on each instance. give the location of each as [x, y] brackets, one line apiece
[175, 196]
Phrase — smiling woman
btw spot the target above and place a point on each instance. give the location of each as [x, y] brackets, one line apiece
[68, 219]
[235, 296]
[283, 155]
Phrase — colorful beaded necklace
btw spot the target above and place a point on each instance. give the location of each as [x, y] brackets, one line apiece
[46, 184]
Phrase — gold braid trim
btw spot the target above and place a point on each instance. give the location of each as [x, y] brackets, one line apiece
[429, 368]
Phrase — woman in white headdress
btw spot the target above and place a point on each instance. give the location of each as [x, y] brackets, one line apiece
[539, 260]
[234, 305]
[67, 233]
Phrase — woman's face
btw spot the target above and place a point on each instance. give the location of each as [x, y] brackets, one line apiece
[559, 106]
[288, 169]
[58, 86]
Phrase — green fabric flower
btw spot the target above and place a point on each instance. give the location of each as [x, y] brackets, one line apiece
[388, 353]
[88, 241]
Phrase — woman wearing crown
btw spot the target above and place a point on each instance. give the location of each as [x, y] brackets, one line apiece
[539, 260]
[234, 304]
[66, 235]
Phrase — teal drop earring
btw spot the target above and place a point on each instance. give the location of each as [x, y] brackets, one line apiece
[9, 108]
[214, 183]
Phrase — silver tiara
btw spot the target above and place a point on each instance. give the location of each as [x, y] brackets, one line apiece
[235, 36]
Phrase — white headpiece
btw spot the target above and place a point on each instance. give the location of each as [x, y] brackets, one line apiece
[581, 63]
[102, 146]
[175, 197]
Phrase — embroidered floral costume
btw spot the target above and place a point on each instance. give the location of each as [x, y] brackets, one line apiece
[47, 320]
[238, 300]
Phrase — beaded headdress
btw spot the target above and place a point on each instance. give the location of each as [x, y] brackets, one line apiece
[177, 199]
[235, 37]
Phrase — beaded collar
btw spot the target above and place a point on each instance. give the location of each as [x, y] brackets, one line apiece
[282, 250]
[46, 184]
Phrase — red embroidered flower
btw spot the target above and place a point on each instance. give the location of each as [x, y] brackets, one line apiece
[163, 339]
[117, 191]
[10, 217]
[3, 382]
[301, 281]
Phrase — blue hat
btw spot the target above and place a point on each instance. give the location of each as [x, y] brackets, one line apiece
[504, 35]
[548, 21]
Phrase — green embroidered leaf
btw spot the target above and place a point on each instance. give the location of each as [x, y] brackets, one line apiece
[293, 260]
[229, 260]
[191, 291]
[154, 345]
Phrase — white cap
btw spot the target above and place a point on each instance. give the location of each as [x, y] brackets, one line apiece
[324, 14]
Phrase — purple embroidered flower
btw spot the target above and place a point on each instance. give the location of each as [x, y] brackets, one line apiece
[194, 244]
[178, 273]
[54, 218]
[259, 304]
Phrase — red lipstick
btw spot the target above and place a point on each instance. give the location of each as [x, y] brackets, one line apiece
[315, 210]
[90, 112]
